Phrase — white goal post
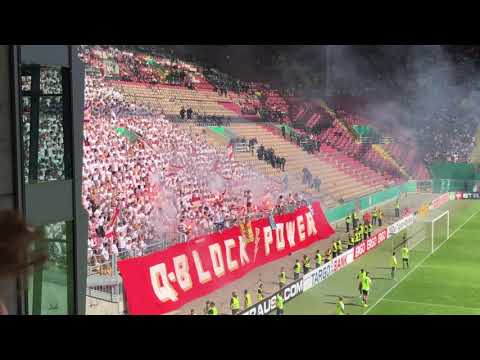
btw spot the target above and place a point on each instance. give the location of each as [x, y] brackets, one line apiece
[436, 232]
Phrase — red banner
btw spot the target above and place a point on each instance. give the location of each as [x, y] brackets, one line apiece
[165, 281]
[371, 243]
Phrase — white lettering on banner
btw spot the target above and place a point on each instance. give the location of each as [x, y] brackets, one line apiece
[311, 229]
[217, 259]
[402, 224]
[182, 272]
[268, 305]
[360, 249]
[280, 237]
[382, 236]
[371, 243]
[232, 265]
[244, 259]
[203, 276]
[301, 228]
[267, 234]
[316, 276]
[341, 261]
[350, 256]
[163, 290]
[291, 233]
[293, 290]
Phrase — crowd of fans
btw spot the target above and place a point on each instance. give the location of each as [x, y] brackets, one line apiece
[447, 137]
[137, 67]
[167, 182]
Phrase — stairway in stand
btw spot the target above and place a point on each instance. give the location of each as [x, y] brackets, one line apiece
[336, 184]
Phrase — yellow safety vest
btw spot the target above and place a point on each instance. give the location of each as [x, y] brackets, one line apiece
[393, 262]
[297, 268]
[283, 278]
[279, 302]
[248, 300]
[259, 294]
[235, 303]
[213, 311]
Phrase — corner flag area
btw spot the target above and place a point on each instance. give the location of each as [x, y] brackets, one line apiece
[442, 278]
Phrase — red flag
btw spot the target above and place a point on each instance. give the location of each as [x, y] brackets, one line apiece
[230, 152]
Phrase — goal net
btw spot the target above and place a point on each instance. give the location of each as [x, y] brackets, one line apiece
[424, 236]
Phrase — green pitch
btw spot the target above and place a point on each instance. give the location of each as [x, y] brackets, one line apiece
[444, 282]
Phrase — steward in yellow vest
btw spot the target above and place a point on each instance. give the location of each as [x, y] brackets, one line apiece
[235, 304]
[297, 269]
[318, 259]
[282, 281]
[247, 299]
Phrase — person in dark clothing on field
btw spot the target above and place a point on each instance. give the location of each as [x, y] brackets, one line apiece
[189, 113]
[283, 131]
[182, 113]
[283, 161]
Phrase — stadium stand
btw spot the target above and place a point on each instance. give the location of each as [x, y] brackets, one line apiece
[134, 99]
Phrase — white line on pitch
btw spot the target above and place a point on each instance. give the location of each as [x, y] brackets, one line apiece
[420, 263]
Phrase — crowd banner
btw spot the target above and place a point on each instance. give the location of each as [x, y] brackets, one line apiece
[440, 201]
[164, 281]
[401, 224]
[267, 305]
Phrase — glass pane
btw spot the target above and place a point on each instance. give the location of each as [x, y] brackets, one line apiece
[50, 81]
[26, 83]
[26, 121]
[51, 153]
[48, 288]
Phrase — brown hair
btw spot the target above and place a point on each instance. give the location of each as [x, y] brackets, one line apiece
[16, 238]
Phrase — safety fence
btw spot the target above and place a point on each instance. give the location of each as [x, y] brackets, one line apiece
[103, 279]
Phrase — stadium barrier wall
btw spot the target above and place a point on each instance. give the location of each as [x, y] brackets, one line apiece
[340, 212]
[164, 281]
[366, 202]
[385, 195]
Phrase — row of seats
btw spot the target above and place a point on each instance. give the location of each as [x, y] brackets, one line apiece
[341, 139]
[171, 99]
